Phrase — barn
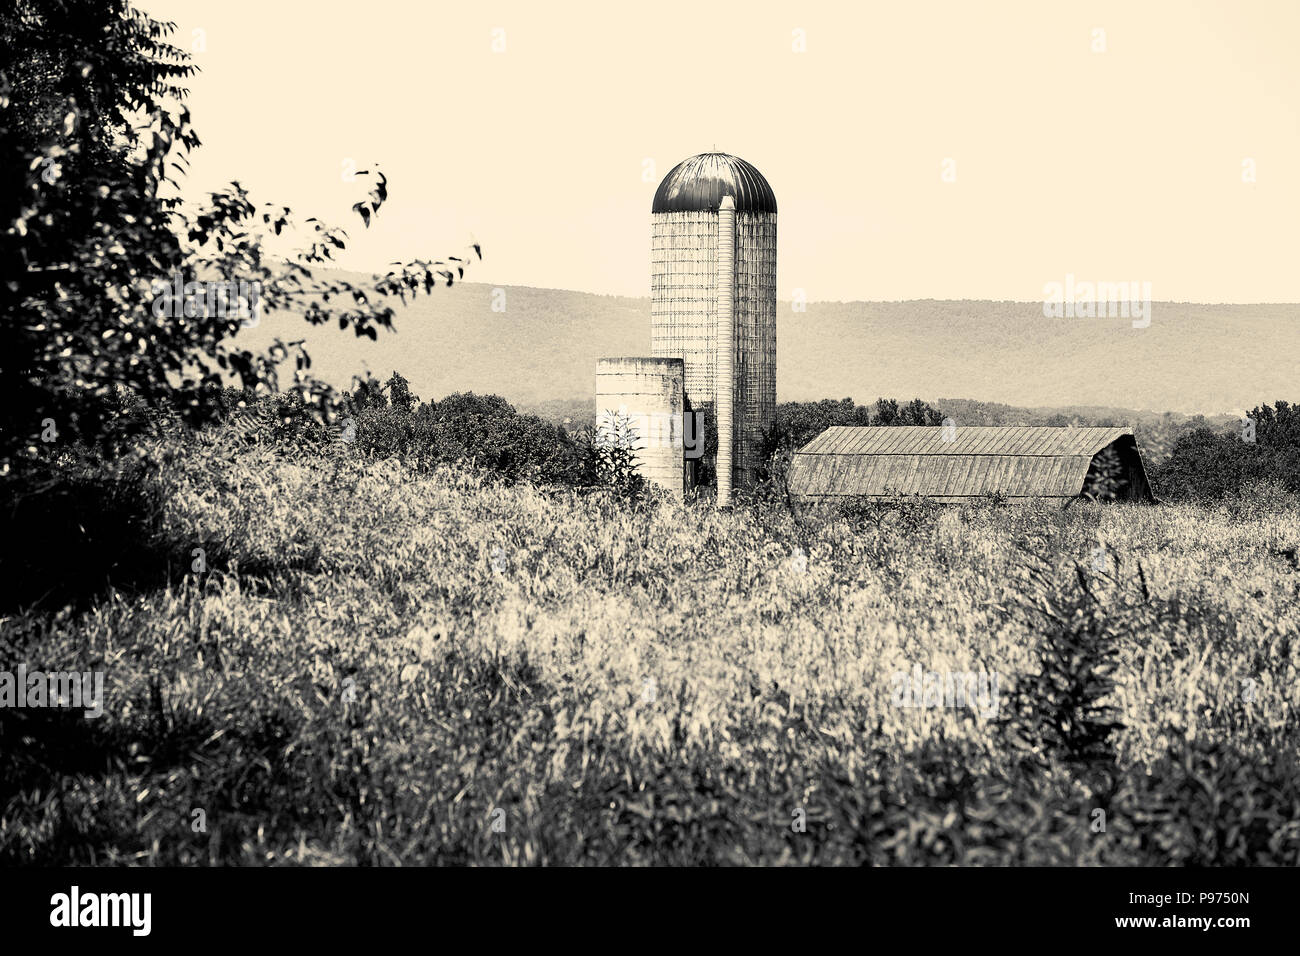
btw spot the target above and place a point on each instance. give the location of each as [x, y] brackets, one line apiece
[955, 464]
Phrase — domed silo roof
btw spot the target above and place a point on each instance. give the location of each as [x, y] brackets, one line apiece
[699, 183]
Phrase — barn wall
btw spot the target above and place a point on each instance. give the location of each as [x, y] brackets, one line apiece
[938, 475]
[1016, 462]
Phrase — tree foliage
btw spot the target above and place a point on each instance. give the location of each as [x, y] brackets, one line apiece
[1206, 464]
[95, 139]
[798, 423]
[400, 395]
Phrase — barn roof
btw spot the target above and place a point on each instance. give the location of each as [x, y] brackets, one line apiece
[1015, 461]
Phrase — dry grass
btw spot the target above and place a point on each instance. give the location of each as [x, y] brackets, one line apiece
[375, 662]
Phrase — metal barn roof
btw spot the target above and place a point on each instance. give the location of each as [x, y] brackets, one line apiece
[699, 183]
[1017, 462]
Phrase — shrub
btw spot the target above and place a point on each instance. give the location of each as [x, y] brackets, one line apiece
[609, 458]
[1205, 465]
[1061, 714]
[902, 514]
[1255, 499]
[72, 526]
[510, 447]
[284, 420]
[1205, 803]
[464, 404]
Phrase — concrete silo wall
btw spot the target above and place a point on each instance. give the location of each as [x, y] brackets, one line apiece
[683, 315]
[683, 295]
[649, 392]
[755, 337]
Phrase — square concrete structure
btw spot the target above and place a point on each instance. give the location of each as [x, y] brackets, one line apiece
[650, 392]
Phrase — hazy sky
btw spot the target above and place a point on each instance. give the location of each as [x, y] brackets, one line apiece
[1116, 166]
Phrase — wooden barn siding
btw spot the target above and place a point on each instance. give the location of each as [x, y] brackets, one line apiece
[939, 475]
[1016, 461]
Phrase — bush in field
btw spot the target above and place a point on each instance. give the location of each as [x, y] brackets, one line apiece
[479, 432]
[463, 404]
[517, 448]
[509, 446]
[608, 457]
[484, 432]
[1210, 465]
[77, 526]
[903, 514]
[283, 419]
[1205, 803]
[1062, 713]
[1255, 499]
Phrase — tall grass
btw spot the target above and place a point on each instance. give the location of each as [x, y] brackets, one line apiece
[378, 665]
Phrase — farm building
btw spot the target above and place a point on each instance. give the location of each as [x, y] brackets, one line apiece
[947, 463]
[712, 321]
[713, 295]
[713, 345]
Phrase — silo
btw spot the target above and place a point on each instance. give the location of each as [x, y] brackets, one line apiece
[690, 276]
[648, 393]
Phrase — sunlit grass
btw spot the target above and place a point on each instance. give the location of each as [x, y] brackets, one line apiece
[375, 662]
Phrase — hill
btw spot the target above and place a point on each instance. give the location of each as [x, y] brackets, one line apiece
[1192, 358]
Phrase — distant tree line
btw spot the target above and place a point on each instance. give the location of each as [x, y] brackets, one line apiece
[798, 423]
[1156, 432]
[389, 419]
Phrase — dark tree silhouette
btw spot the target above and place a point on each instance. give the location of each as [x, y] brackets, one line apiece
[94, 136]
[400, 395]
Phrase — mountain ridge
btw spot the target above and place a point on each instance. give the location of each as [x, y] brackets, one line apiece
[1193, 358]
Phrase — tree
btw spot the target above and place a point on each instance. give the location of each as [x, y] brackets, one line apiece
[886, 411]
[798, 423]
[1277, 427]
[79, 205]
[917, 412]
[461, 404]
[400, 395]
[368, 394]
[1206, 464]
[94, 136]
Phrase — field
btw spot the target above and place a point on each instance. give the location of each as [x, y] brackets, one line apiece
[351, 662]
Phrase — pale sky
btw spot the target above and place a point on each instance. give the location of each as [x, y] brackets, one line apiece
[1122, 165]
